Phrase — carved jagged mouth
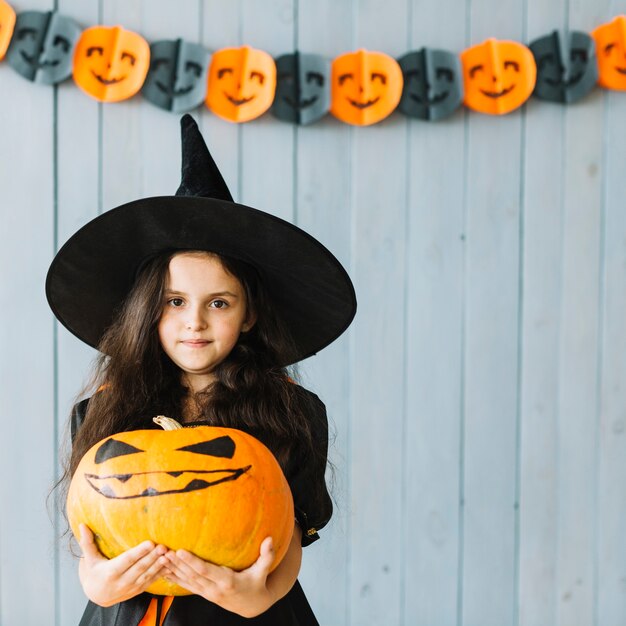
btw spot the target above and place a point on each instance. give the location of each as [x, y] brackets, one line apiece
[238, 103]
[108, 81]
[300, 104]
[497, 94]
[127, 486]
[173, 92]
[440, 97]
[621, 70]
[363, 105]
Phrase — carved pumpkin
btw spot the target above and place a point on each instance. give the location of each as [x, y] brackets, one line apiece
[7, 23]
[365, 87]
[111, 63]
[242, 82]
[610, 41]
[216, 492]
[499, 76]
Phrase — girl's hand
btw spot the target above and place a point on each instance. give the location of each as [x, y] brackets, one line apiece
[247, 593]
[109, 581]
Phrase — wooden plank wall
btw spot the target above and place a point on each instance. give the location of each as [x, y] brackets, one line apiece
[478, 403]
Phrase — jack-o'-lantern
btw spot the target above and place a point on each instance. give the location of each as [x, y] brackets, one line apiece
[111, 63]
[178, 75]
[365, 87]
[242, 82]
[216, 492]
[7, 23]
[566, 66]
[43, 45]
[433, 87]
[302, 88]
[610, 41]
[499, 76]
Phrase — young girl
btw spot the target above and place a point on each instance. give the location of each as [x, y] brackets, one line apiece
[197, 306]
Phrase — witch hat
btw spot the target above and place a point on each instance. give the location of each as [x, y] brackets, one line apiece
[94, 271]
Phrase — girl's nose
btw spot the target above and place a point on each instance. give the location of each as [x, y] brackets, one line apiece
[195, 320]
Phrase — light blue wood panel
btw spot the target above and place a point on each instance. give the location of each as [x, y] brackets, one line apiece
[542, 195]
[433, 376]
[611, 507]
[323, 208]
[78, 201]
[267, 145]
[378, 407]
[27, 450]
[579, 348]
[542, 252]
[489, 462]
[122, 130]
[221, 28]
[160, 161]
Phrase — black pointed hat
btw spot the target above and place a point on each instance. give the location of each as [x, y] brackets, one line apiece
[93, 272]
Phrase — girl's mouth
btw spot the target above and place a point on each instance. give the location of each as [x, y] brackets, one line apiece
[196, 343]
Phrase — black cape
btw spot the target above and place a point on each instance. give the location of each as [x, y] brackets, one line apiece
[293, 609]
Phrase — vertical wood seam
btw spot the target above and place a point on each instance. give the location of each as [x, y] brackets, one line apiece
[351, 345]
[600, 354]
[464, 269]
[405, 331]
[520, 349]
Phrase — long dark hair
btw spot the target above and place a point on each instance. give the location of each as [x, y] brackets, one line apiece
[252, 391]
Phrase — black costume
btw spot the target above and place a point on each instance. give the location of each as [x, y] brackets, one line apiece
[293, 609]
[92, 274]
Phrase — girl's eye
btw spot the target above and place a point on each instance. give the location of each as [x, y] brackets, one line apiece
[175, 302]
[219, 304]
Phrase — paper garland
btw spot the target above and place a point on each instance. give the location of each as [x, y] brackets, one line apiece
[110, 64]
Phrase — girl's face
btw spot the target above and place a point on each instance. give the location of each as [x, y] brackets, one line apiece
[204, 312]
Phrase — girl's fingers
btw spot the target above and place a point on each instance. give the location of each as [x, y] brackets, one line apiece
[263, 564]
[120, 564]
[202, 568]
[147, 569]
[87, 544]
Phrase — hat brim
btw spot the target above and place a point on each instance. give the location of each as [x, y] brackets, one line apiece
[93, 272]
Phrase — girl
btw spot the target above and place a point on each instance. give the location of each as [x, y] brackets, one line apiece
[197, 306]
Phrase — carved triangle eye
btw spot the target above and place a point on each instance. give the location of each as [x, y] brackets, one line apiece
[223, 447]
[112, 448]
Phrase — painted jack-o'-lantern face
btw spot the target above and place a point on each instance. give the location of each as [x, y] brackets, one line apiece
[610, 41]
[111, 63]
[217, 492]
[499, 76]
[7, 23]
[302, 88]
[566, 67]
[432, 84]
[42, 46]
[242, 82]
[177, 77]
[366, 87]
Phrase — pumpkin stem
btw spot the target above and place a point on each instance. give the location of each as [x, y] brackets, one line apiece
[166, 423]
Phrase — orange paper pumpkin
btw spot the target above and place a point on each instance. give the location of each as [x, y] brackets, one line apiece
[499, 76]
[365, 87]
[216, 492]
[7, 23]
[242, 82]
[111, 63]
[610, 41]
